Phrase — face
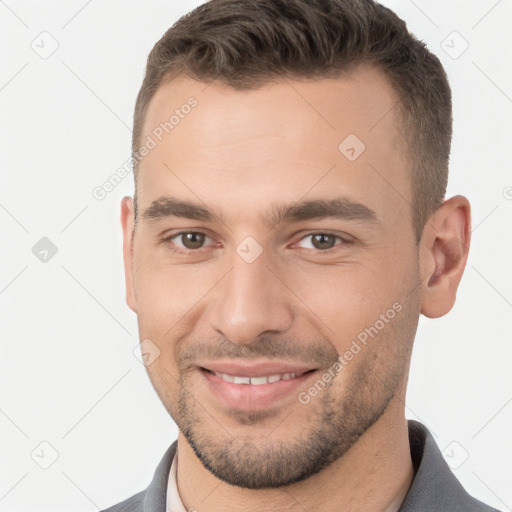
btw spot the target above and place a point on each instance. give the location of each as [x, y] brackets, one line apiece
[274, 237]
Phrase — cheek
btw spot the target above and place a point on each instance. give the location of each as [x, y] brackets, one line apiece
[170, 302]
[344, 297]
[165, 381]
[166, 292]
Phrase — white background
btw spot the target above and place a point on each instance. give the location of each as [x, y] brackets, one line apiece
[68, 373]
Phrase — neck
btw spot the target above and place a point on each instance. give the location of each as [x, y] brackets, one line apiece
[375, 474]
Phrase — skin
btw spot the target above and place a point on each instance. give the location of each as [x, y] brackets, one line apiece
[238, 152]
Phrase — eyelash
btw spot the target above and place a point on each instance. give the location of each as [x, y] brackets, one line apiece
[174, 250]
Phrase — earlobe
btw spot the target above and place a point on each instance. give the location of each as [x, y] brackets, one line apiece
[127, 222]
[443, 255]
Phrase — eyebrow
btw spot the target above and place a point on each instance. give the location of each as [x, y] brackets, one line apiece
[337, 208]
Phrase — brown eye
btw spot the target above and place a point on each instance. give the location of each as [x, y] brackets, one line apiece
[185, 242]
[192, 240]
[322, 242]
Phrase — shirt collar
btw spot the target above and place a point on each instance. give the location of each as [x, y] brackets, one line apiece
[174, 503]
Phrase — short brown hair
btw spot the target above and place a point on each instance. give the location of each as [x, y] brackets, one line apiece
[247, 43]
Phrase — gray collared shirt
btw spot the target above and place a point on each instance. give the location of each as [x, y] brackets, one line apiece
[434, 488]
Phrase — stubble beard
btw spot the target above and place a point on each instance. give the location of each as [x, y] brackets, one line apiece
[269, 462]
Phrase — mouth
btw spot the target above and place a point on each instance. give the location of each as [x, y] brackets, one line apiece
[259, 391]
[257, 380]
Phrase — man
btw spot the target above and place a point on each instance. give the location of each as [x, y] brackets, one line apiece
[288, 228]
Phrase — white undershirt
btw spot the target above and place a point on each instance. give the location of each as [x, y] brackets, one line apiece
[174, 503]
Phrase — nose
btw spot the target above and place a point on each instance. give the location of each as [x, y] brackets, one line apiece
[249, 301]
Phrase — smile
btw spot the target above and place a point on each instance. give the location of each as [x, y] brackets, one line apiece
[256, 392]
[256, 381]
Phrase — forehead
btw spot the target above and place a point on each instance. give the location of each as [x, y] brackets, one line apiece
[242, 150]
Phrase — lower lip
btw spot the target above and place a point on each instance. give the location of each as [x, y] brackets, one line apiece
[253, 397]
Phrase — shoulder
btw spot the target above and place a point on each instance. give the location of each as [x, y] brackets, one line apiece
[434, 486]
[132, 504]
[153, 498]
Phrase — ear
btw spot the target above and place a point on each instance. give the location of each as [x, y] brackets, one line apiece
[444, 249]
[127, 221]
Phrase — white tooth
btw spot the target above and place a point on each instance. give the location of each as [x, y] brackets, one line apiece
[259, 380]
[242, 380]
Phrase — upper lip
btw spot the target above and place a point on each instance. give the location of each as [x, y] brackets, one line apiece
[254, 369]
